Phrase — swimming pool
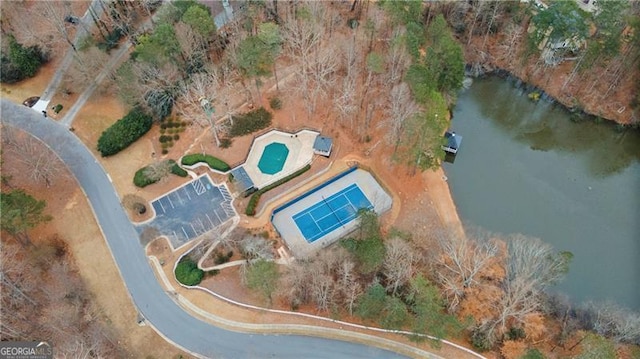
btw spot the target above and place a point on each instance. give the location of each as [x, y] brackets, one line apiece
[273, 158]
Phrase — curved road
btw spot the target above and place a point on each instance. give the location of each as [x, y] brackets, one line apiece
[170, 320]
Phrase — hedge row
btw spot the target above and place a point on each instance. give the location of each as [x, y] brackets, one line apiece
[124, 132]
[255, 198]
[188, 273]
[250, 122]
[213, 162]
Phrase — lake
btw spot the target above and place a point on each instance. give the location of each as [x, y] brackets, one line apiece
[526, 167]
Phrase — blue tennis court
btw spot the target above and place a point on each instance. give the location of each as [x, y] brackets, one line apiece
[331, 213]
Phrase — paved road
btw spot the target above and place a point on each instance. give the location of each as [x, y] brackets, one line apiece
[173, 323]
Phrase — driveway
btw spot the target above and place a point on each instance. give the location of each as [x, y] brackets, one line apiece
[166, 317]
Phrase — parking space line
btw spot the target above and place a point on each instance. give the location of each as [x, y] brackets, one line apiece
[216, 213]
[179, 198]
[187, 192]
[171, 203]
[185, 233]
[199, 221]
[194, 230]
[175, 235]
[163, 210]
[210, 221]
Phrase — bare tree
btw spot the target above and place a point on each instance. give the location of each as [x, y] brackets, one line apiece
[42, 164]
[459, 262]
[295, 284]
[509, 47]
[302, 39]
[122, 16]
[532, 266]
[322, 290]
[326, 280]
[54, 13]
[397, 58]
[18, 291]
[85, 67]
[319, 79]
[256, 248]
[399, 263]
[346, 101]
[158, 170]
[348, 285]
[613, 321]
[401, 108]
[153, 87]
[191, 42]
[19, 19]
[194, 102]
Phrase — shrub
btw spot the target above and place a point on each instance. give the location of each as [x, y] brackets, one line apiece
[275, 103]
[212, 273]
[225, 142]
[188, 273]
[21, 62]
[178, 171]
[253, 201]
[155, 172]
[160, 102]
[480, 341]
[176, 137]
[124, 132]
[516, 333]
[213, 162]
[250, 122]
[165, 151]
[222, 258]
[57, 108]
[111, 41]
[141, 180]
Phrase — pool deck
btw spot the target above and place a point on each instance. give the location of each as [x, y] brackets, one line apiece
[300, 147]
[287, 228]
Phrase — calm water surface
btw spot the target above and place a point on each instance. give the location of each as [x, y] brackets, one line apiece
[526, 168]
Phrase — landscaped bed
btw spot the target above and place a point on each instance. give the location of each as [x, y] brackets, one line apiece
[213, 162]
[255, 198]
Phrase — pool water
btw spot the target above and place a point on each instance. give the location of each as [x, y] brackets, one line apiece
[273, 158]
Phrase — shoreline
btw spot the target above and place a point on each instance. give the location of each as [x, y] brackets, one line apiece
[579, 110]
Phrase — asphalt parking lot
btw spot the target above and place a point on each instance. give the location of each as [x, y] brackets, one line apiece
[190, 211]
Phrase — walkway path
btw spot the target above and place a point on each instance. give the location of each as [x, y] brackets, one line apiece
[155, 305]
